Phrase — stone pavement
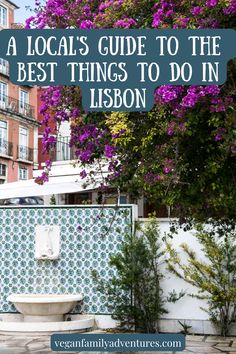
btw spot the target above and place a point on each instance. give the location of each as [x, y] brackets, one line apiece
[41, 345]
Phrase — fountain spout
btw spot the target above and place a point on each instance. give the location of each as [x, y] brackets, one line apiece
[47, 242]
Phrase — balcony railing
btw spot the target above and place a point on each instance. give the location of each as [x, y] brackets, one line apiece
[15, 106]
[6, 148]
[17, 25]
[25, 153]
[63, 151]
[4, 68]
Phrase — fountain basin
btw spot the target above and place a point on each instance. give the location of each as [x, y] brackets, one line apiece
[13, 326]
[44, 307]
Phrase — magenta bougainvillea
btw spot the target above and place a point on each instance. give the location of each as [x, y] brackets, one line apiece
[183, 152]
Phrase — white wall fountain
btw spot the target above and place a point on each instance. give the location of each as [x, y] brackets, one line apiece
[47, 242]
[44, 307]
[43, 253]
[46, 313]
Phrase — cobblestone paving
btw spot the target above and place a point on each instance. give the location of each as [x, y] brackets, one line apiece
[41, 345]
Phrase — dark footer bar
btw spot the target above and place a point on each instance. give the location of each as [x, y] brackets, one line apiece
[117, 342]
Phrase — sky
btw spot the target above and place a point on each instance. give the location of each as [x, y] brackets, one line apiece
[22, 14]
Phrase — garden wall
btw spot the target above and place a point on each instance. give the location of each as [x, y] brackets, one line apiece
[85, 245]
[188, 310]
[187, 307]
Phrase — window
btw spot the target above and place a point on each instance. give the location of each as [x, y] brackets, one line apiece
[23, 173]
[3, 170]
[161, 211]
[3, 173]
[3, 137]
[4, 67]
[3, 16]
[123, 199]
[3, 94]
[63, 149]
[110, 200]
[23, 144]
[24, 102]
[78, 198]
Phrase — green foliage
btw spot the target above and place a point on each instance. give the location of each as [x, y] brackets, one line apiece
[173, 296]
[181, 153]
[53, 200]
[134, 293]
[202, 183]
[185, 327]
[215, 278]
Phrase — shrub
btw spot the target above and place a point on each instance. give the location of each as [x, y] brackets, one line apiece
[215, 278]
[134, 295]
[53, 200]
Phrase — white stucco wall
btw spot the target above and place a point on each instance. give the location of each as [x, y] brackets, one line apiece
[187, 308]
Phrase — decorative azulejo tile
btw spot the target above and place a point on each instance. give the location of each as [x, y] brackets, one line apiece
[81, 251]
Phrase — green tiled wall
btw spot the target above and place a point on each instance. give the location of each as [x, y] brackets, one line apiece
[81, 251]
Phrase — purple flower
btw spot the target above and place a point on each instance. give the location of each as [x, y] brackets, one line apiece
[79, 228]
[233, 149]
[182, 22]
[103, 6]
[41, 179]
[168, 93]
[60, 12]
[197, 10]
[213, 90]
[211, 3]
[119, 134]
[157, 178]
[28, 21]
[83, 174]
[218, 105]
[231, 8]
[75, 113]
[229, 100]
[170, 129]
[109, 151]
[87, 24]
[125, 23]
[157, 18]
[84, 137]
[151, 177]
[48, 164]
[89, 138]
[218, 137]
[167, 170]
[168, 166]
[85, 156]
[219, 134]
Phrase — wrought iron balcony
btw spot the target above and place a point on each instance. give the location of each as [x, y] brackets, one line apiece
[6, 148]
[63, 151]
[15, 106]
[25, 153]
